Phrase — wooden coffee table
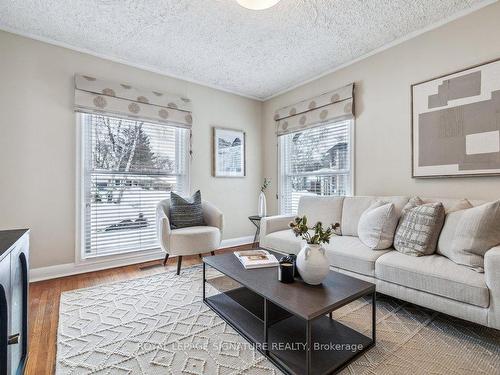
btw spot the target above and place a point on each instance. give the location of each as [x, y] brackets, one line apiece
[288, 323]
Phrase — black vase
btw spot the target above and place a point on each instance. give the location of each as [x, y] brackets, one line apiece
[285, 271]
[292, 259]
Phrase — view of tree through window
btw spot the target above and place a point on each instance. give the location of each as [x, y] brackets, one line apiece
[129, 167]
[315, 161]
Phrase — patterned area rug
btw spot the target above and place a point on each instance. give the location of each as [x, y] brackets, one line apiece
[159, 325]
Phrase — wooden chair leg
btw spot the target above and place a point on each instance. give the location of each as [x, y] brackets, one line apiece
[179, 262]
[212, 252]
[165, 260]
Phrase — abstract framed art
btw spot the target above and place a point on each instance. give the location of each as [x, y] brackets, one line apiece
[455, 123]
[228, 155]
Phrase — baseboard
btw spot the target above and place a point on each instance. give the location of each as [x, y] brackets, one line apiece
[68, 269]
[231, 242]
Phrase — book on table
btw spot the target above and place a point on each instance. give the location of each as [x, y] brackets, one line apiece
[256, 259]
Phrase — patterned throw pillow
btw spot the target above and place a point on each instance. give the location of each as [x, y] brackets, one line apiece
[186, 212]
[419, 228]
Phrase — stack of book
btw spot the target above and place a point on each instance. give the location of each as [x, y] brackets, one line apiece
[256, 259]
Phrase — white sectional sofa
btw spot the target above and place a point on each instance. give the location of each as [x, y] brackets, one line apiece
[432, 281]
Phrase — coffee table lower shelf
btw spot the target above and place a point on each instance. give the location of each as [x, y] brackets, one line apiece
[286, 334]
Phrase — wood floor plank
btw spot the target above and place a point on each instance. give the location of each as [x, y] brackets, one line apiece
[45, 296]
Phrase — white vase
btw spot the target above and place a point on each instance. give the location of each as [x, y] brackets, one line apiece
[312, 264]
[262, 211]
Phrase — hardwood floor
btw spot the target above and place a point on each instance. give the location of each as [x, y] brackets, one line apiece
[44, 304]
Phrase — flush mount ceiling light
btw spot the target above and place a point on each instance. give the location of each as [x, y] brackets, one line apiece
[257, 4]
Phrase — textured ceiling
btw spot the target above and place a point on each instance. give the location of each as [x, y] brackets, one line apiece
[221, 44]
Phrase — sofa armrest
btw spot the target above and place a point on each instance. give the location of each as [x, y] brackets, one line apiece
[492, 268]
[212, 216]
[272, 224]
[492, 279]
[163, 230]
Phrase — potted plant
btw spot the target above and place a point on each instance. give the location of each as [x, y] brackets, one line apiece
[312, 263]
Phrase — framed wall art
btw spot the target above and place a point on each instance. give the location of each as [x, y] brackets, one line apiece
[456, 124]
[228, 155]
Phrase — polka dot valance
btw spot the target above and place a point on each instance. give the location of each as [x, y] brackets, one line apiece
[331, 106]
[123, 100]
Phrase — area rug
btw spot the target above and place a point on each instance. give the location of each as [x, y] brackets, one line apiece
[159, 325]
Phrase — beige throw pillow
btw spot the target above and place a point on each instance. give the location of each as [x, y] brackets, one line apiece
[468, 234]
[460, 205]
[377, 225]
[419, 227]
[417, 201]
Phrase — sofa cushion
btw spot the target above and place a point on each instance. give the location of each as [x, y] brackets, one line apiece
[434, 274]
[377, 225]
[468, 234]
[419, 228]
[350, 254]
[201, 238]
[283, 241]
[354, 207]
[352, 210]
[326, 209]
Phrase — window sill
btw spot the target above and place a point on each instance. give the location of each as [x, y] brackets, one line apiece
[129, 255]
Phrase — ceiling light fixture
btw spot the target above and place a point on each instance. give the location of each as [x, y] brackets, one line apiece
[257, 4]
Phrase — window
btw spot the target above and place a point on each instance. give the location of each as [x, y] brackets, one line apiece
[128, 167]
[316, 161]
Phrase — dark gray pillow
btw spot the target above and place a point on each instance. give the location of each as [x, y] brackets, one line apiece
[186, 212]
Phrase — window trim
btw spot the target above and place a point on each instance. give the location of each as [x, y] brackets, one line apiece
[352, 164]
[135, 256]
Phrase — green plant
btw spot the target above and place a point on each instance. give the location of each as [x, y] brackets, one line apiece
[265, 185]
[318, 237]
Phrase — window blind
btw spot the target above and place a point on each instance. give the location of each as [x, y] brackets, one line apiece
[336, 105]
[129, 166]
[315, 161]
[99, 96]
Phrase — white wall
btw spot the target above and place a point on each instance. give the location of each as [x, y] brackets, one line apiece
[37, 143]
[383, 163]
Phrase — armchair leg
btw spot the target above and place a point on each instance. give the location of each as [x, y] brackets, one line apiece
[179, 263]
[165, 260]
[212, 252]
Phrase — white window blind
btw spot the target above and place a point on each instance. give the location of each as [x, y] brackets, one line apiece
[129, 166]
[315, 161]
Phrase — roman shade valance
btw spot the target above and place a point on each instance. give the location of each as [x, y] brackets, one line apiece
[331, 106]
[94, 95]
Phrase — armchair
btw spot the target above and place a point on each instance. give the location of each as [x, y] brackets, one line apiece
[190, 240]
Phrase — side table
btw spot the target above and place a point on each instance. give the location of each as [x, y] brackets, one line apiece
[255, 219]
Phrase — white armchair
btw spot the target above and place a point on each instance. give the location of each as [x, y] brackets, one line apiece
[191, 240]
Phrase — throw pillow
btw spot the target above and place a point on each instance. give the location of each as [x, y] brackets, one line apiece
[461, 205]
[377, 224]
[186, 212]
[418, 231]
[468, 234]
[417, 201]
[412, 203]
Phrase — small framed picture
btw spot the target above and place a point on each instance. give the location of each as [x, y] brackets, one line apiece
[228, 155]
